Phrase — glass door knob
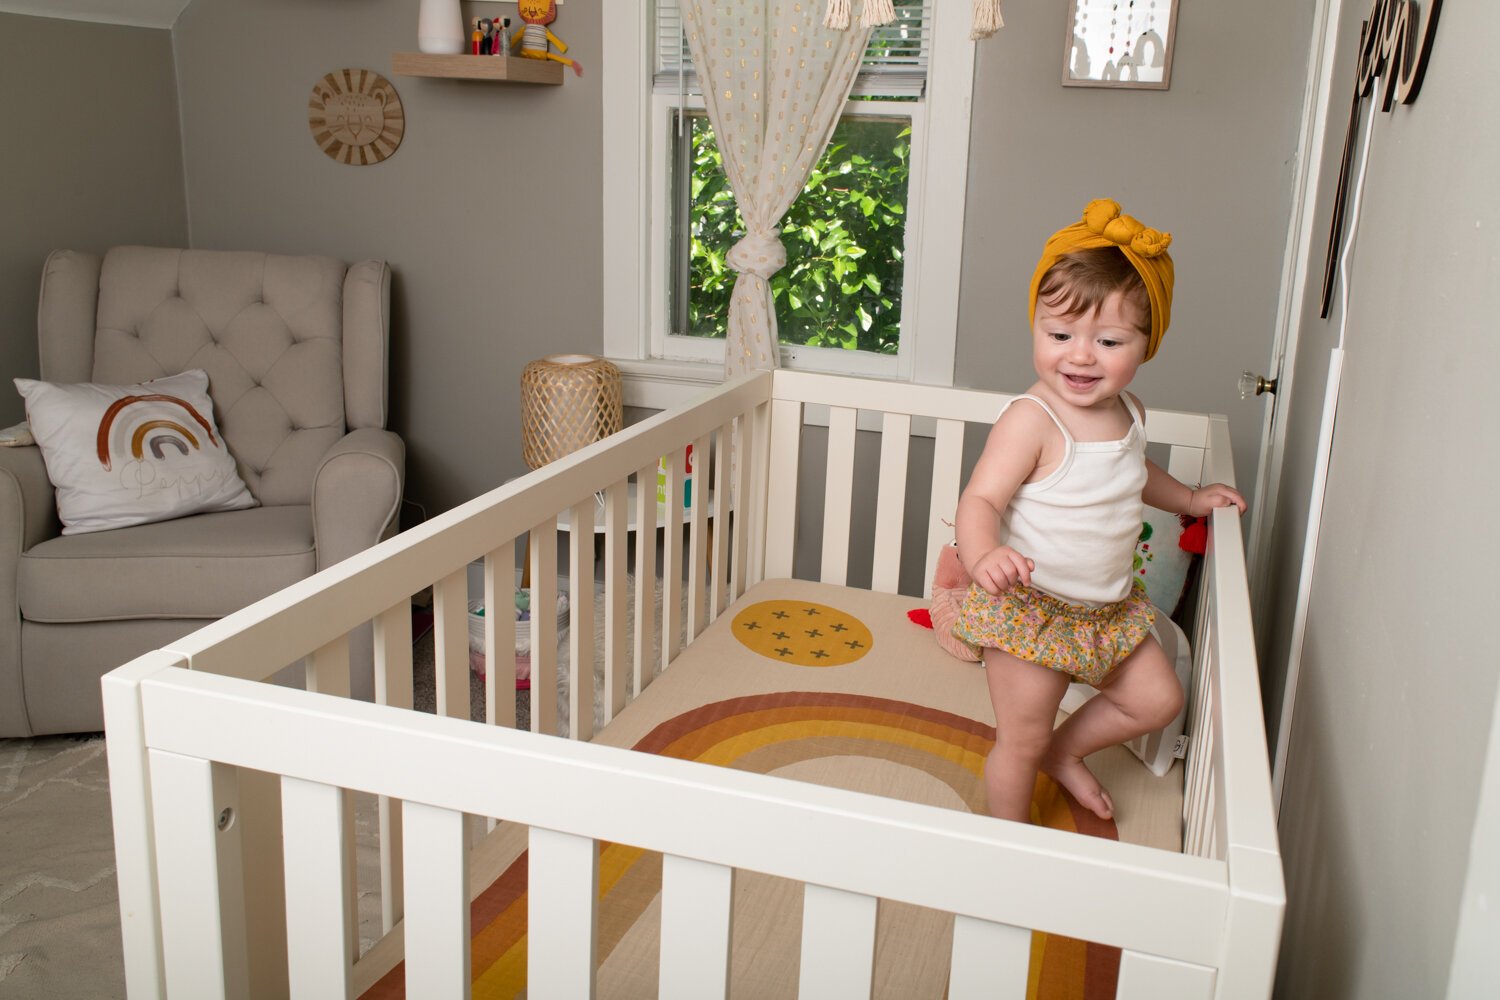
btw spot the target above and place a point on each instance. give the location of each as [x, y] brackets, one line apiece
[1252, 384]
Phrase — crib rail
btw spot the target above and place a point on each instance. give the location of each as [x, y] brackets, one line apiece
[199, 731]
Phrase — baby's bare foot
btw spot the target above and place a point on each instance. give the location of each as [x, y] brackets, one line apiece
[1074, 775]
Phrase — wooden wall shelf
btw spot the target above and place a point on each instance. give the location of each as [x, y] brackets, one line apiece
[502, 69]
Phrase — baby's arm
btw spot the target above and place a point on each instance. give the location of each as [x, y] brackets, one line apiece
[1010, 455]
[1165, 493]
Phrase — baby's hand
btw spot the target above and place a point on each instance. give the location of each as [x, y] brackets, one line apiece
[1001, 568]
[1206, 498]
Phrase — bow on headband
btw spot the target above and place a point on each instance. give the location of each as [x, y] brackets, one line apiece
[987, 19]
[1104, 225]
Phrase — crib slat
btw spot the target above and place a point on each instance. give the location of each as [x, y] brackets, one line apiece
[671, 561]
[544, 627]
[838, 944]
[696, 909]
[581, 632]
[393, 686]
[990, 960]
[838, 494]
[697, 602]
[328, 668]
[198, 877]
[781, 502]
[759, 486]
[616, 584]
[947, 463]
[450, 642]
[320, 923]
[1146, 977]
[500, 636]
[718, 579]
[1199, 799]
[890, 502]
[561, 914]
[744, 518]
[393, 680]
[437, 903]
[1185, 464]
[645, 577]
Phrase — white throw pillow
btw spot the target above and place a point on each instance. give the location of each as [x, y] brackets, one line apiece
[1156, 750]
[130, 454]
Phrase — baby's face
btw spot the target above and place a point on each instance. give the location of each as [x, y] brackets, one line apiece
[1087, 359]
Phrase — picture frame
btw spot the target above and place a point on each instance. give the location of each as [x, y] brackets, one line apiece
[1120, 43]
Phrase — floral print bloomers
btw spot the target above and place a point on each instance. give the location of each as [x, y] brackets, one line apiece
[1083, 642]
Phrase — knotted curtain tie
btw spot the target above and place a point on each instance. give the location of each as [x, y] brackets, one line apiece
[760, 254]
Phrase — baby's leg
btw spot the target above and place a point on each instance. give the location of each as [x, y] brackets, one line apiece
[1025, 697]
[1141, 695]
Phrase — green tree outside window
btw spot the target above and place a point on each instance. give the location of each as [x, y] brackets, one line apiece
[844, 237]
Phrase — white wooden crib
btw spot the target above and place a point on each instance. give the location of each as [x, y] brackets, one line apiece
[233, 825]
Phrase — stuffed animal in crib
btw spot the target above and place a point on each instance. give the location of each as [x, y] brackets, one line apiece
[950, 584]
[533, 40]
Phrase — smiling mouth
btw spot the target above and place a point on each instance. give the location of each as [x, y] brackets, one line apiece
[1081, 381]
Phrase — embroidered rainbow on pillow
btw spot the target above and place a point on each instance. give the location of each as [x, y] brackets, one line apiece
[149, 430]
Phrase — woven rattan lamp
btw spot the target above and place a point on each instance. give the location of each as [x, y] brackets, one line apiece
[568, 401]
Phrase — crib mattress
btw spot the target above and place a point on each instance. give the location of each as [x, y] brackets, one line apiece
[829, 685]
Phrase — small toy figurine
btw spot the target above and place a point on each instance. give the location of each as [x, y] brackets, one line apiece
[475, 37]
[532, 42]
[501, 45]
[487, 33]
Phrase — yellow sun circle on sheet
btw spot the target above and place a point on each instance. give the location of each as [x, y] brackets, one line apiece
[804, 633]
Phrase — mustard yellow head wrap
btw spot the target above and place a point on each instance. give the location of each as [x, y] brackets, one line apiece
[1104, 225]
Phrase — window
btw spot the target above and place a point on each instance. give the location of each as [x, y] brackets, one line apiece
[845, 238]
[862, 290]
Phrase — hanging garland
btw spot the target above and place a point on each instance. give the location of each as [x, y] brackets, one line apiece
[987, 19]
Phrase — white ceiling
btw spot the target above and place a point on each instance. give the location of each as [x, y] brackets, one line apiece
[145, 13]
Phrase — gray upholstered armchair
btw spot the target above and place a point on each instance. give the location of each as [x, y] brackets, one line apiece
[295, 350]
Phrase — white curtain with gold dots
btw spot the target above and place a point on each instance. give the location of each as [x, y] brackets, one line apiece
[774, 81]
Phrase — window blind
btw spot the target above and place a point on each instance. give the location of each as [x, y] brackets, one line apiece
[894, 65]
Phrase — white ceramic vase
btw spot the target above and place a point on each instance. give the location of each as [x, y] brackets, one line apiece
[440, 27]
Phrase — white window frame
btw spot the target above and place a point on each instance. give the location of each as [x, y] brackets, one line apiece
[635, 190]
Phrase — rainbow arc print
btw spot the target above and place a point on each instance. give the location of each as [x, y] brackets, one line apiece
[766, 734]
[129, 429]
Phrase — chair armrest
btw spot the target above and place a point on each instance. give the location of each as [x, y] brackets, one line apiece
[28, 516]
[357, 493]
[28, 503]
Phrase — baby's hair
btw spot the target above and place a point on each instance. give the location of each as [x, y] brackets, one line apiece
[1080, 282]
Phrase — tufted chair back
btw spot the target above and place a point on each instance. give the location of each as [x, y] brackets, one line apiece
[294, 355]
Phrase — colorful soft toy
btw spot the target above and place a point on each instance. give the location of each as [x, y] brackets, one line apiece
[950, 583]
[532, 42]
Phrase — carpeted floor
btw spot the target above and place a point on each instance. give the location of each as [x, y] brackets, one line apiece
[59, 914]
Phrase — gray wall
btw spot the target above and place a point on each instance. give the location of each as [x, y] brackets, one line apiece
[92, 158]
[1210, 160]
[1399, 677]
[489, 211]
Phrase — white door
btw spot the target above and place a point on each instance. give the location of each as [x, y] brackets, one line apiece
[1291, 478]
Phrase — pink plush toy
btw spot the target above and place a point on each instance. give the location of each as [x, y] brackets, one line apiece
[950, 584]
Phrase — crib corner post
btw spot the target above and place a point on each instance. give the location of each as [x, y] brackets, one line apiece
[134, 833]
[1252, 925]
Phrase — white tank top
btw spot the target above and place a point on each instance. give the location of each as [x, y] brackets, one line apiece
[1081, 523]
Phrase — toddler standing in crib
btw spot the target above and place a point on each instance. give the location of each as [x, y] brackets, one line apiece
[1048, 522]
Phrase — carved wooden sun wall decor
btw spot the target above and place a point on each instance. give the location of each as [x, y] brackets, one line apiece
[355, 116]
